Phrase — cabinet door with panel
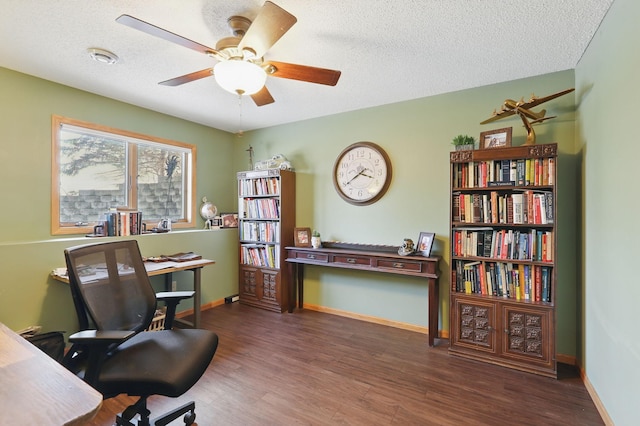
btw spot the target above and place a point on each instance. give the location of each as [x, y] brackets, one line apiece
[526, 334]
[261, 287]
[474, 325]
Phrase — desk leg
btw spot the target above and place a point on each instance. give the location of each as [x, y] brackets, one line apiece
[300, 280]
[293, 284]
[167, 281]
[197, 298]
[433, 309]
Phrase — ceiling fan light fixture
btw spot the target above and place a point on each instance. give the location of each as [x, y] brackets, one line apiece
[239, 77]
[103, 56]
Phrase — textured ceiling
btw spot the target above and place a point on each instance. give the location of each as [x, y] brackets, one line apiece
[388, 51]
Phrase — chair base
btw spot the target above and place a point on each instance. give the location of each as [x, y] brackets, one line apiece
[140, 407]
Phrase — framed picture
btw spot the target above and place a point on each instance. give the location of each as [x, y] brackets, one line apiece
[425, 242]
[499, 138]
[229, 220]
[302, 237]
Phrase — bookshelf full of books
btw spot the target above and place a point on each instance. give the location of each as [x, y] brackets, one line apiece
[503, 256]
[266, 220]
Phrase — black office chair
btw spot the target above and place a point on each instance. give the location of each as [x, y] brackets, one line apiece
[111, 289]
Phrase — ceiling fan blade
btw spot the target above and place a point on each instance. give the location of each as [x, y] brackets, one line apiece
[151, 29]
[262, 97]
[270, 24]
[304, 73]
[188, 77]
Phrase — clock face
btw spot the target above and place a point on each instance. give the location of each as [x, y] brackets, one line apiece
[362, 173]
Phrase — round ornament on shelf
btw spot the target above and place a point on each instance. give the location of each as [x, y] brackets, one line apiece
[208, 212]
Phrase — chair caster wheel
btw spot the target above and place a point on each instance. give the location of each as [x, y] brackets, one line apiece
[189, 418]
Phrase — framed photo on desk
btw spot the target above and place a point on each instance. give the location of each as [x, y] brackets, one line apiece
[229, 220]
[425, 243]
[302, 237]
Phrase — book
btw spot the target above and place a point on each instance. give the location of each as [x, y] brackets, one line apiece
[488, 243]
[477, 215]
[182, 257]
[494, 207]
[520, 173]
[518, 214]
[482, 278]
[509, 201]
[494, 279]
[513, 171]
[486, 212]
[455, 207]
[505, 171]
[548, 203]
[546, 296]
[538, 283]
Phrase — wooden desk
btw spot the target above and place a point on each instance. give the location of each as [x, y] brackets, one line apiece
[36, 390]
[372, 261]
[167, 269]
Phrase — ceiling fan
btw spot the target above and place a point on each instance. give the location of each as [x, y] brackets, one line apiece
[242, 68]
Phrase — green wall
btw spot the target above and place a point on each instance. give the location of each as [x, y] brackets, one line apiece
[416, 135]
[606, 138]
[28, 252]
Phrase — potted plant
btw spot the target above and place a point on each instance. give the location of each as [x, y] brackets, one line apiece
[463, 142]
[315, 239]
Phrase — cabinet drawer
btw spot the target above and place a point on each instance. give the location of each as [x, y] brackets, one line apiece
[404, 265]
[314, 257]
[351, 260]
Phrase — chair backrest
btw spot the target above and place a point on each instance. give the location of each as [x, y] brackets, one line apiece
[109, 283]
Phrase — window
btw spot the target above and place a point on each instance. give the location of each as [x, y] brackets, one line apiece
[97, 168]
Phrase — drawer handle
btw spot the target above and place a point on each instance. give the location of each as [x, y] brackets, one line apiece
[350, 260]
[311, 256]
[398, 265]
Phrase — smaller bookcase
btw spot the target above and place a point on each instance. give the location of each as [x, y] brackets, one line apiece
[503, 256]
[266, 220]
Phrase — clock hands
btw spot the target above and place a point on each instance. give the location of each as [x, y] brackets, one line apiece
[357, 174]
[361, 172]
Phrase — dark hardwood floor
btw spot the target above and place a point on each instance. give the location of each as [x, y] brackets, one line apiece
[321, 369]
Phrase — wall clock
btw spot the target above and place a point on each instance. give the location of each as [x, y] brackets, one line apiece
[362, 173]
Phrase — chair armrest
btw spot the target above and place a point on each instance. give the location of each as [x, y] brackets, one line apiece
[89, 337]
[171, 300]
[174, 295]
[90, 347]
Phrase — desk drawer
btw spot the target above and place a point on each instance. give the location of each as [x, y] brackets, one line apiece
[314, 257]
[402, 265]
[351, 260]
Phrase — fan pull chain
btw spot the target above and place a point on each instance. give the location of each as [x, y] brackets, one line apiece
[240, 132]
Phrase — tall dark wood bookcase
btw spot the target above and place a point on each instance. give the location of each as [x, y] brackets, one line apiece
[503, 256]
[266, 221]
